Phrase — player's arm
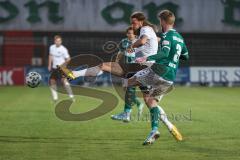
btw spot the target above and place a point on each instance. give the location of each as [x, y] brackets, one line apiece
[144, 35]
[163, 52]
[184, 55]
[67, 57]
[49, 62]
[67, 60]
[143, 39]
[50, 59]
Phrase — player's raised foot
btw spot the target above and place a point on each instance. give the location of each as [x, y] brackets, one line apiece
[176, 134]
[152, 137]
[124, 116]
[140, 110]
[66, 72]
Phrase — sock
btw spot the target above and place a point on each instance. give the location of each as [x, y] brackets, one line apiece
[127, 108]
[92, 72]
[137, 101]
[164, 119]
[129, 99]
[155, 114]
[132, 93]
[53, 89]
[68, 89]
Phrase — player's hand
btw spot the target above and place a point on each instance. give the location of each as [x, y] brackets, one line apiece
[130, 49]
[141, 59]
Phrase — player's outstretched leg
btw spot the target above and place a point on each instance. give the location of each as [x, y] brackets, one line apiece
[71, 75]
[111, 67]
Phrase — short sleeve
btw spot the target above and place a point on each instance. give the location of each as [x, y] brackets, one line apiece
[184, 50]
[51, 50]
[145, 31]
[66, 54]
[184, 55]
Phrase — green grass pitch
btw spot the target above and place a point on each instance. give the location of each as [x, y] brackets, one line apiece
[207, 117]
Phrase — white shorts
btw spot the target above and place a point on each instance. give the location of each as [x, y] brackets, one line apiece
[160, 86]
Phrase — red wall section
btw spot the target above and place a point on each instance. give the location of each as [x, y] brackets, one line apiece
[18, 48]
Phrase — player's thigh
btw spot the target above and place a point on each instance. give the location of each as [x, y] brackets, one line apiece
[143, 77]
[158, 93]
[54, 76]
[112, 67]
[133, 81]
[52, 81]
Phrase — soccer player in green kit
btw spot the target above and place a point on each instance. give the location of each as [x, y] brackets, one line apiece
[161, 74]
[124, 57]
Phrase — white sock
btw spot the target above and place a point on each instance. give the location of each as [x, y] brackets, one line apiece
[92, 72]
[164, 119]
[53, 89]
[68, 89]
[80, 73]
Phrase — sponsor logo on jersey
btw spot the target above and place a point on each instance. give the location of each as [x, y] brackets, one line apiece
[165, 42]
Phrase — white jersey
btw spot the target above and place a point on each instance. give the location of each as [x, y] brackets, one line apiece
[151, 46]
[59, 55]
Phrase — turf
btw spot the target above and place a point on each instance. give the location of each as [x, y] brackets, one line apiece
[207, 117]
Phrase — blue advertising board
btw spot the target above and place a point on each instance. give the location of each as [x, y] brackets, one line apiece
[183, 75]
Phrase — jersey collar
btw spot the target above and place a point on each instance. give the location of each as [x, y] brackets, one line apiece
[169, 30]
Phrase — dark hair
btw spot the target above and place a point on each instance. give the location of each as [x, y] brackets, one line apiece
[129, 28]
[141, 17]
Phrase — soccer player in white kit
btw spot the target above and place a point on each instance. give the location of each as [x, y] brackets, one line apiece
[58, 55]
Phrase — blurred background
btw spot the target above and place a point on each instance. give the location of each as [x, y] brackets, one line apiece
[211, 30]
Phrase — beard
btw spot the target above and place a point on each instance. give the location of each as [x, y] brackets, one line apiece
[137, 31]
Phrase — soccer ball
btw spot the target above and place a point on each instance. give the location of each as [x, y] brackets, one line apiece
[33, 79]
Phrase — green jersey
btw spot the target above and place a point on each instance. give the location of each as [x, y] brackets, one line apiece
[170, 50]
[124, 44]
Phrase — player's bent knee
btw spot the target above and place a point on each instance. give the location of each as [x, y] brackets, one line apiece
[151, 102]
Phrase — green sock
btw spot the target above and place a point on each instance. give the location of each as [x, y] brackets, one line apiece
[134, 99]
[155, 113]
[129, 99]
[137, 101]
[127, 108]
